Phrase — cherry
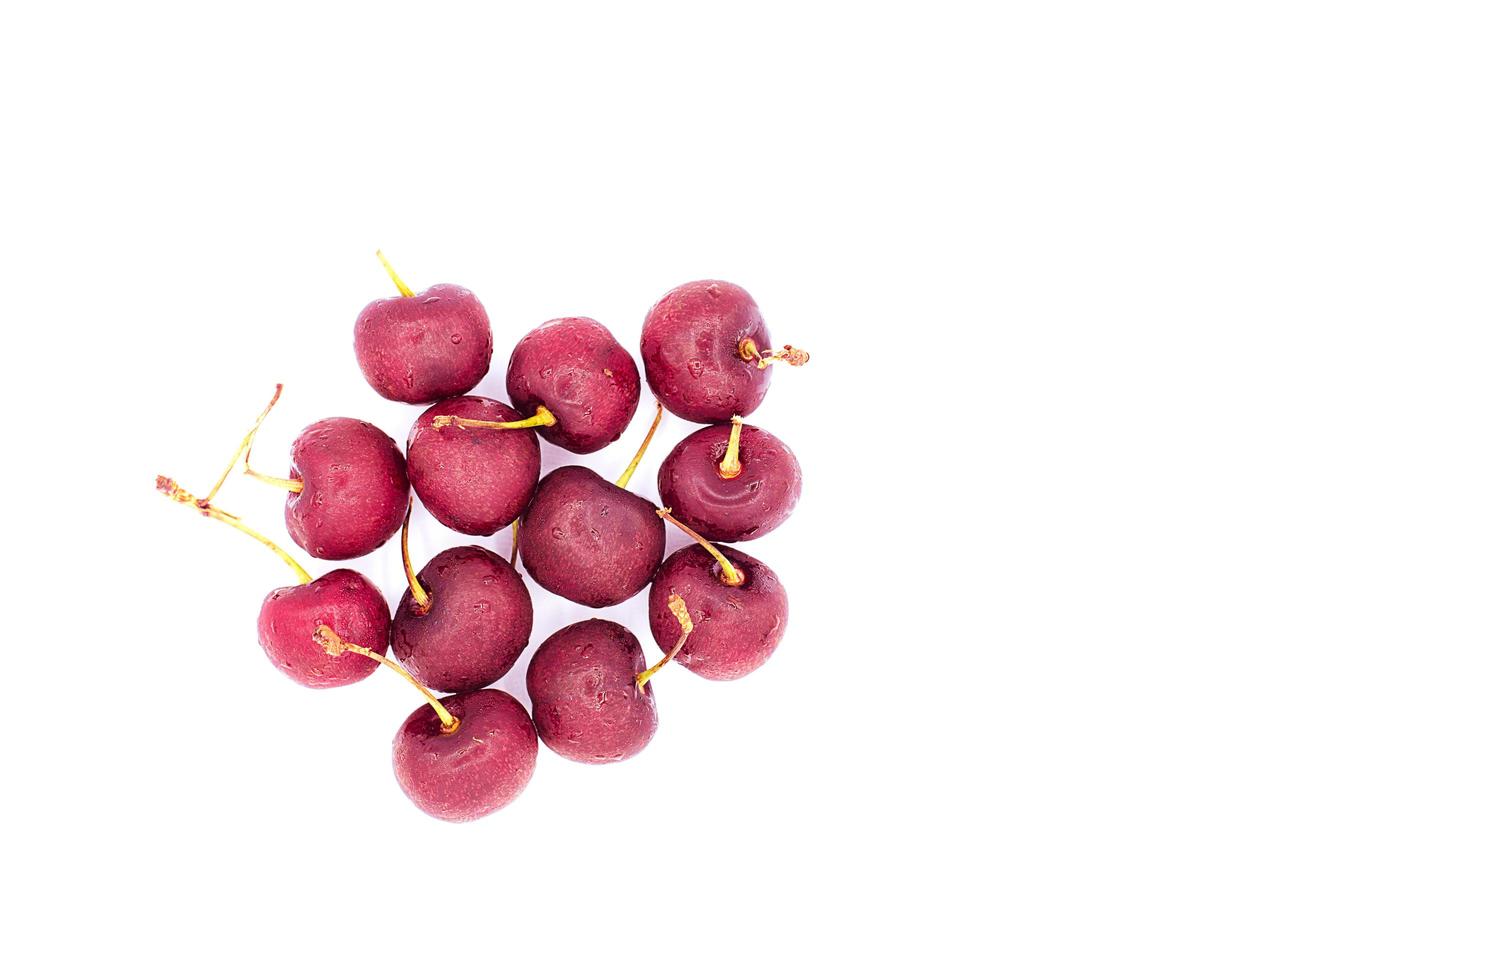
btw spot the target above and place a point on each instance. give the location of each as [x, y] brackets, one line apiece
[589, 540]
[343, 601]
[468, 757]
[290, 617]
[464, 621]
[586, 704]
[575, 368]
[347, 489]
[419, 347]
[737, 605]
[730, 482]
[474, 462]
[350, 484]
[706, 350]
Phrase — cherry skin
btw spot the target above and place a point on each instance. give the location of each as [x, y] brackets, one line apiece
[748, 505]
[735, 628]
[576, 368]
[473, 480]
[582, 687]
[690, 346]
[420, 348]
[588, 540]
[343, 600]
[353, 492]
[473, 771]
[475, 626]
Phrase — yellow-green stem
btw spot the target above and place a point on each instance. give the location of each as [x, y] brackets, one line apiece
[418, 594]
[542, 417]
[731, 467]
[684, 620]
[405, 289]
[640, 453]
[170, 487]
[244, 445]
[336, 646]
[290, 486]
[728, 574]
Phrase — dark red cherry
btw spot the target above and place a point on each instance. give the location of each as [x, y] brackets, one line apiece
[706, 351]
[345, 602]
[735, 627]
[728, 485]
[579, 372]
[419, 347]
[588, 540]
[586, 704]
[347, 489]
[473, 479]
[473, 770]
[473, 627]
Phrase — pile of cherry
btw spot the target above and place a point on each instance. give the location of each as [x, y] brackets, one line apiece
[475, 464]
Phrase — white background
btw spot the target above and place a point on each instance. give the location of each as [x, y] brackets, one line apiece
[1143, 585]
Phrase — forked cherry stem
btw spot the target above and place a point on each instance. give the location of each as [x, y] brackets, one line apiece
[336, 646]
[793, 356]
[542, 417]
[684, 619]
[170, 487]
[291, 486]
[731, 467]
[728, 574]
[418, 594]
[244, 445]
[405, 289]
[640, 453]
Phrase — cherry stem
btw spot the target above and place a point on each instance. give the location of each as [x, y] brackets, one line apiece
[170, 487]
[793, 356]
[290, 486]
[729, 575]
[514, 540]
[542, 417]
[336, 646]
[405, 289]
[731, 467]
[640, 453]
[418, 594]
[684, 619]
[244, 445]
